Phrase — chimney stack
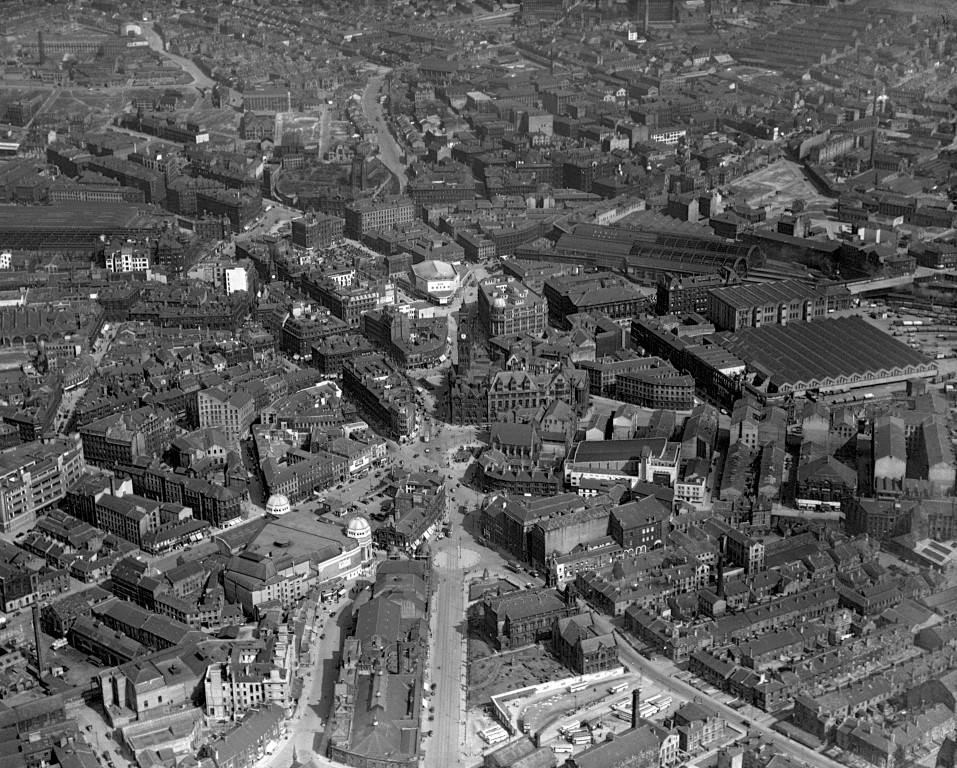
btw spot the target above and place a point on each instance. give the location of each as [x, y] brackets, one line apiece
[37, 637]
[721, 575]
[635, 706]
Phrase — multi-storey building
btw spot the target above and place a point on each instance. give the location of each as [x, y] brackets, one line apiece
[248, 744]
[682, 294]
[218, 505]
[129, 256]
[258, 672]
[365, 216]
[267, 101]
[654, 460]
[316, 230]
[347, 302]
[758, 304]
[521, 618]
[122, 437]
[330, 353]
[381, 395]
[657, 387]
[419, 506]
[609, 294]
[745, 551]
[233, 414]
[240, 207]
[509, 390]
[35, 476]
[585, 643]
[410, 344]
[639, 525]
[300, 333]
[129, 517]
[506, 306]
[181, 193]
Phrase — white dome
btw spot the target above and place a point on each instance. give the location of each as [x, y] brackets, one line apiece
[358, 528]
[278, 504]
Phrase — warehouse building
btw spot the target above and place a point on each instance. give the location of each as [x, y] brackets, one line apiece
[828, 356]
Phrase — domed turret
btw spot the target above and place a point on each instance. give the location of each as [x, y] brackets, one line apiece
[278, 505]
[358, 528]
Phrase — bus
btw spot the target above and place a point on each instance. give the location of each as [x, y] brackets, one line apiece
[576, 733]
[626, 716]
[513, 567]
[664, 703]
[618, 688]
[563, 749]
[653, 699]
[494, 734]
[571, 725]
[648, 710]
[581, 740]
[577, 687]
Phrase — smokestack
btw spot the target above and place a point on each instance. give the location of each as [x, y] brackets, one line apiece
[647, 15]
[721, 576]
[635, 706]
[41, 665]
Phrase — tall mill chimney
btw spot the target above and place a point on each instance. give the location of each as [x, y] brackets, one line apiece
[37, 637]
[635, 706]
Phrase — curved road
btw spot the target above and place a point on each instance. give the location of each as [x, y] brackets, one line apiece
[389, 152]
[787, 746]
[200, 81]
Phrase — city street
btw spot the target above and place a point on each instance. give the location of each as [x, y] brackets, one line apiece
[389, 152]
[200, 81]
[446, 663]
[305, 727]
[663, 675]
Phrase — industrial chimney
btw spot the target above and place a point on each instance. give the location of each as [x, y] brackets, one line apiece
[41, 666]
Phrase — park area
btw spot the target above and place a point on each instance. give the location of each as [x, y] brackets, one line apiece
[778, 185]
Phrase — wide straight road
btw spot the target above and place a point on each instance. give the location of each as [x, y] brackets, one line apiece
[661, 676]
[389, 152]
[444, 748]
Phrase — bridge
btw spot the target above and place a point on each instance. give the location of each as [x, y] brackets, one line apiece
[877, 285]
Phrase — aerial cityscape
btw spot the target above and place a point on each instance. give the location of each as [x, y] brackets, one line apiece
[478, 384]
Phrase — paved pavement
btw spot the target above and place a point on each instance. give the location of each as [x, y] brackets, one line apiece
[662, 674]
[389, 152]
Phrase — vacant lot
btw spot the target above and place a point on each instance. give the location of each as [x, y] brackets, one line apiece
[100, 106]
[491, 675]
[778, 185]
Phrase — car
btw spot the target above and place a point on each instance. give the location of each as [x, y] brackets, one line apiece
[89, 728]
[322, 636]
